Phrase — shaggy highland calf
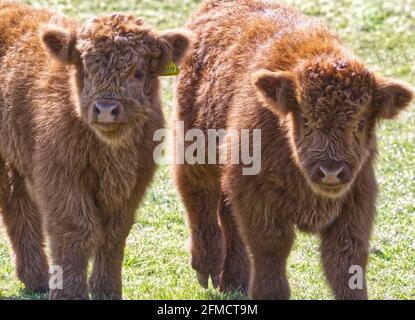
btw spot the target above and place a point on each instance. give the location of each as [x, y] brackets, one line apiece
[78, 109]
[266, 66]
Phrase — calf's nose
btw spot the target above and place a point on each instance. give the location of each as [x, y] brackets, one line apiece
[330, 176]
[106, 110]
[331, 172]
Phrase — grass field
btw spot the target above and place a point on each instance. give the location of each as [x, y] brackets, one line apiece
[156, 262]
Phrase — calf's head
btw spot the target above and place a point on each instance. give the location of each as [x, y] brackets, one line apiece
[114, 62]
[330, 107]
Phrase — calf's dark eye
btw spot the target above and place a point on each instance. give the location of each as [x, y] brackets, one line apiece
[139, 74]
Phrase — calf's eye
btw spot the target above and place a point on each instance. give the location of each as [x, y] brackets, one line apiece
[361, 125]
[139, 74]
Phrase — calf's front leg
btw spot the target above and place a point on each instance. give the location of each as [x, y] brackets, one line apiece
[105, 281]
[345, 248]
[72, 227]
[269, 239]
[71, 251]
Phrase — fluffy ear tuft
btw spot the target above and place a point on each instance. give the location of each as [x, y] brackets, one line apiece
[277, 89]
[391, 97]
[59, 42]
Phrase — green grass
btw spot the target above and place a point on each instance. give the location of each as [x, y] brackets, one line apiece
[156, 262]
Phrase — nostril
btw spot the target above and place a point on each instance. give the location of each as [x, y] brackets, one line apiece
[115, 112]
[97, 110]
[341, 174]
[321, 173]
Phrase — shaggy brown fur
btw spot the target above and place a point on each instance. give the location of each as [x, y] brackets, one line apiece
[82, 175]
[261, 65]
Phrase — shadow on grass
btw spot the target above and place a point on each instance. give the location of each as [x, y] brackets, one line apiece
[236, 295]
[24, 294]
[27, 295]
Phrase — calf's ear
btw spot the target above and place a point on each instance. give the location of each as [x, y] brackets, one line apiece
[276, 89]
[59, 42]
[179, 41]
[174, 44]
[391, 97]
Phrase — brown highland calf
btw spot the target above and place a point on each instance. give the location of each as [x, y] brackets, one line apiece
[78, 109]
[261, 65]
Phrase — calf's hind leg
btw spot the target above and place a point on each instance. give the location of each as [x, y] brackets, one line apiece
[206, 241]
[24, 228]
[235, 274]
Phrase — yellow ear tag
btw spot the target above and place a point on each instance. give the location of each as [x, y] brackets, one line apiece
[170, 70]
